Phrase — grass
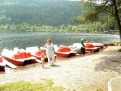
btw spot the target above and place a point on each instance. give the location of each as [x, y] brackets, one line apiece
[47, 85]
[31, 86]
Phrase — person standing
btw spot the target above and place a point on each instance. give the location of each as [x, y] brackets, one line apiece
[83, 46]
[50, 51]
[42, 57]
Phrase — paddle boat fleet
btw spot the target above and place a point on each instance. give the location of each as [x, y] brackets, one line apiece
[89, 47]
[21, 57]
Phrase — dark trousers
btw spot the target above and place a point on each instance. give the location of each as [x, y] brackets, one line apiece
[83, 50]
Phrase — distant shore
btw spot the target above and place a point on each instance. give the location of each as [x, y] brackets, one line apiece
[74, 72]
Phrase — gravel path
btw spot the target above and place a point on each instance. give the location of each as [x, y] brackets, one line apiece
[71, 72]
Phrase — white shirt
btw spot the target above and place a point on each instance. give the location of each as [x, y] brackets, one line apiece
[50, 49]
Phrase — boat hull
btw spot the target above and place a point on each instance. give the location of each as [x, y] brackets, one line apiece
[38, 57]
[14, 61]
[2, 67]
[62, 54]
[65, 54]
[92, 49]
[99, 45]
[21, 62]
[106, 45]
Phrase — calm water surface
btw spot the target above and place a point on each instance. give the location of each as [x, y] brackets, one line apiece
[29, 39]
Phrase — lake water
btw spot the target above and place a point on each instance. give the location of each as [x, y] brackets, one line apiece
[29, 39]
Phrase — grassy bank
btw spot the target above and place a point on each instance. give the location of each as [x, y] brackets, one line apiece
[46, 85]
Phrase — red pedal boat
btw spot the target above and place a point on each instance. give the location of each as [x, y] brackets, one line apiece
[19, 58]
[65, 51]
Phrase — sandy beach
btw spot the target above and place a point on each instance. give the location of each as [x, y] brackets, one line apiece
[76, 72]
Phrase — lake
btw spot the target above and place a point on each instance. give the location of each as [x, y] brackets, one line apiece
[29, 39]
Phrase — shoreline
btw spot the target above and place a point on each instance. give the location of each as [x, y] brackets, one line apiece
[73, 72]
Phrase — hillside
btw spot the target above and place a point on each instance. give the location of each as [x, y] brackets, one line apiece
[39, 12]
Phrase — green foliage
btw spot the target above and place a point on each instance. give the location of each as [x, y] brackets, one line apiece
[49, 15]
[95, 27]
[47, 85]
[39, 12]
[114, 43]
[31, 86]
[99, 12]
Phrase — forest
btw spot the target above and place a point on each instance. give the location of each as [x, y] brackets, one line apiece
[47, 16]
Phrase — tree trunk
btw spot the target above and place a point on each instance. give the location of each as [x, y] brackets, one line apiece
[117, 18]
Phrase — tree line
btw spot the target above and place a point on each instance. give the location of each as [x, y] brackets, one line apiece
[56, 16]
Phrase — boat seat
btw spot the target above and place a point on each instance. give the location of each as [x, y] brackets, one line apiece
[7, 53]
[15, 50]
[32, 50]
[22, 50]
[56, 48]
[4, 51]
[77, 45]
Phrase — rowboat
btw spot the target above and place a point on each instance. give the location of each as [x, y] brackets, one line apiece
[19, 58]
[65, 51]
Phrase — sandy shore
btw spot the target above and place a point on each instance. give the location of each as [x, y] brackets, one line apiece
[74, 72]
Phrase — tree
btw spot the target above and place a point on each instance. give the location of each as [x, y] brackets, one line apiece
[95, 11]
